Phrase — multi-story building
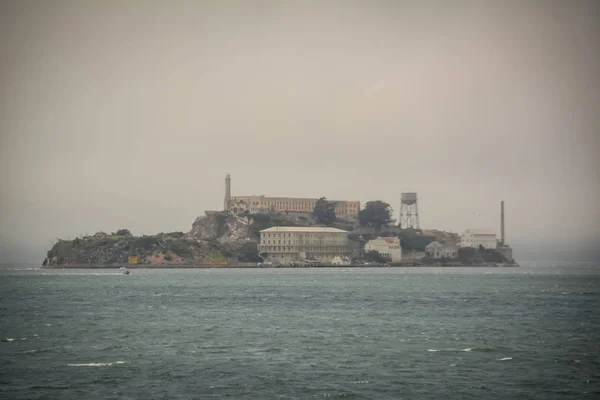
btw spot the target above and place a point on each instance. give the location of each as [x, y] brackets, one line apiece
[388, 247]
[285, 244]
[343, 209]
[479, 237]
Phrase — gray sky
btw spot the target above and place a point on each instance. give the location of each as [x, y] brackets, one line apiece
[129, 114]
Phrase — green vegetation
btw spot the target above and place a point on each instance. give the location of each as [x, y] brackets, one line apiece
[343, 225]
[221, 221]
[375, 256]
[266, 221]
[376, 214]
[413, 239]
[174, 235]
[102, 249]
[260, 222]
[410, 239]
[183, 248]
[247, 252]
[61, 251]
[282, 220]
[324, 212]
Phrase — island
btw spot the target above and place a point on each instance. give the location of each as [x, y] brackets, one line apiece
[230, 239]
[260, 231]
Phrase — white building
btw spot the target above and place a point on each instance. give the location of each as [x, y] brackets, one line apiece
[438, 250]
[341, 261]
[285, 244]
[479, 237]
[386, 246]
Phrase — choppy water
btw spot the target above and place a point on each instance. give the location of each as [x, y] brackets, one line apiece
[300, 333]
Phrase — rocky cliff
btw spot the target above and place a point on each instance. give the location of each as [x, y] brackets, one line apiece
[226, 229]
[471, 256]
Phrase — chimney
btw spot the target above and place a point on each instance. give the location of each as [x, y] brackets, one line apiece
[227, 201]
[502, 223]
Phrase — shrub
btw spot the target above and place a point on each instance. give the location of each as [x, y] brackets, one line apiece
[180, 248]
[146, 242]
[375, 256]
[260, 222]
[175, 235]
[248, 252]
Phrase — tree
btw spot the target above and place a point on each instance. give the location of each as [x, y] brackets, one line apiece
[413, 239]
[123, 232]
[377, 214]
[248, 252]
[324, 211]
[260, 222]
[375, 256]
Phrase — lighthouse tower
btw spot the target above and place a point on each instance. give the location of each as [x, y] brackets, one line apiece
[227, 201]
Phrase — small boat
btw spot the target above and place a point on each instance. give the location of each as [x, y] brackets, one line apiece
[125, 270]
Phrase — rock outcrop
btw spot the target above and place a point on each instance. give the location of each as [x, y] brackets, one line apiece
[472, 256]
[224, 228]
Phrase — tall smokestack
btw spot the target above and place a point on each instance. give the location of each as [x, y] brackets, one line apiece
[227, 192]
[502, 222]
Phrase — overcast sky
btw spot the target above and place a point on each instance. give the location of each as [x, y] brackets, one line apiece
[129, 114]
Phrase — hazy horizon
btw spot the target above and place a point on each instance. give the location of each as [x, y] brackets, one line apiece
[129, 115]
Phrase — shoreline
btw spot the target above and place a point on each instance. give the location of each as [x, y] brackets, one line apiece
[242, 266]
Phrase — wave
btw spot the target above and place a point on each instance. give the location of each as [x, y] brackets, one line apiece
[96, 364]
[467, 350]
[91, 365]
[38, 387]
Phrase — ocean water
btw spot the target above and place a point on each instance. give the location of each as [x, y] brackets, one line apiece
[388, 333]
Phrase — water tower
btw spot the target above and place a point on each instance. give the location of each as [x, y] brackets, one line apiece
[409, 211]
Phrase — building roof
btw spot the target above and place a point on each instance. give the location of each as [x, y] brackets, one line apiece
[388, 239]
[295, 198]
[481, 231]
[433, 244]
[314, 229]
